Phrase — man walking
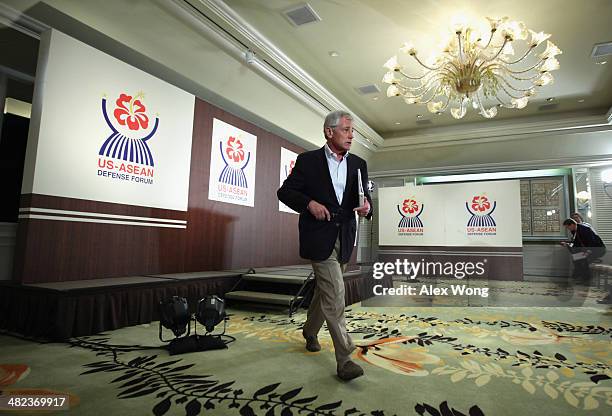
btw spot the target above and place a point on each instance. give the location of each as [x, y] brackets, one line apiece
[323, 188]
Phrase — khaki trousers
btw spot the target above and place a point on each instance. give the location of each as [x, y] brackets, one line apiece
[327, 305]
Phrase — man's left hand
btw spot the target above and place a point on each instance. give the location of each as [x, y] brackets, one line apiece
[364, 210]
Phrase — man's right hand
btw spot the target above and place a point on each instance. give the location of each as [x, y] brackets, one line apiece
[318, 211]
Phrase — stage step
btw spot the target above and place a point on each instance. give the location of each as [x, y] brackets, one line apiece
[262, 297]
[274, 278]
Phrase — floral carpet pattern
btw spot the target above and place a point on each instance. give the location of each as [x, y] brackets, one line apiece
[417, 361]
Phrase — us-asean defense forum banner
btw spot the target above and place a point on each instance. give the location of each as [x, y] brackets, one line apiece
[233, 157]
[287, 162]
[108, 131]
[459, 214]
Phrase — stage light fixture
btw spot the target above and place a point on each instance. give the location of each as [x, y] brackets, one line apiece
[211, 311]
[174, 315]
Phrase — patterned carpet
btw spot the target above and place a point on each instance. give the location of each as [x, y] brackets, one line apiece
[418, 361]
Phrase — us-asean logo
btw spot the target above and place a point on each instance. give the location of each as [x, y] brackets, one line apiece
[236, 160]
[289, 168]
[410, 224]
[125, 155]
[481, 220]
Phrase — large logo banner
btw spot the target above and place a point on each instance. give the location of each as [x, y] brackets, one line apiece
[110, 132]
[232, 165]
[287, 162]
[410, 215]
[458, 214]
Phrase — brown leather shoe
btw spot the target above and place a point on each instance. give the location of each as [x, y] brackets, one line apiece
[349, 371]
[312, 343]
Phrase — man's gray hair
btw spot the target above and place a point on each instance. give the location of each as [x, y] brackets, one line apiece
[333, 118]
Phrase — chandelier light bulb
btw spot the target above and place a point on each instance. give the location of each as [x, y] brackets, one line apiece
[490, 68]
[389, 78]
[459, 23]
[393, 91]
[519, 102]
[545, 79]
[551, 50]
[538, 37]
[408, 48]
[550, 64]
[392, 64]
[435, 106]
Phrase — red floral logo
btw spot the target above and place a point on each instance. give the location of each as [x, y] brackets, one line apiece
[291, 166]
[481, 203]
[131, 112]
[410, 206]
[234, 149]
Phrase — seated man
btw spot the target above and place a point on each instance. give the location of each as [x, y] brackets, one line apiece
[585, 247]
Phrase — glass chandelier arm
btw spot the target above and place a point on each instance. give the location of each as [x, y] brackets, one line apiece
[434, 95]
[490, 39]
[414, 78]
[460, 47]
[411, 89]
[508, 93]
[426, 88]
[505, 81]
[449, 66]
[531, 48]
[540, 62]
[425, 85]
[423, 65]
[498, 52]
[494, 65]
[448, 100]
[499, 100]
[513, 76]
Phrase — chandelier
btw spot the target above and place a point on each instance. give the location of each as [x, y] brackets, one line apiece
[487, 69]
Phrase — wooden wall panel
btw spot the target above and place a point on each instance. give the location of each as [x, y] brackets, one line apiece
[218, 235]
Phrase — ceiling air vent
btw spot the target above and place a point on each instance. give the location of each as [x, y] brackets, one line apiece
[301, 15]
[601, 49]
[368, 89]
[548, 107]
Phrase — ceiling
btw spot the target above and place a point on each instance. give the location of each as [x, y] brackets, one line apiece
[366, 33]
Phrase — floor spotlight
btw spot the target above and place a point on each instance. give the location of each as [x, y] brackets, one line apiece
[174, 315]
[211, 311]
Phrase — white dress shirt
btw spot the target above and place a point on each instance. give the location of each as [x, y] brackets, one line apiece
[337, 171]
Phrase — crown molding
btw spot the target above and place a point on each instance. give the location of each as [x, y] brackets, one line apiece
[225, 17]
[578, 161]
[503, 130]
[17, 20]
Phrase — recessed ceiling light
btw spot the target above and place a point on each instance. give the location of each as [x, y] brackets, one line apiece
[334, 54]
[419, 115]
[581, 100]
[397, 123]
[375, 98]
[550, 99]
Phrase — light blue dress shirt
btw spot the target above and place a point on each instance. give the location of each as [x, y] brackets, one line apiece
[337, 172]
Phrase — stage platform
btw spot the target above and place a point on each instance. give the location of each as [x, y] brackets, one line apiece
[62, 310]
